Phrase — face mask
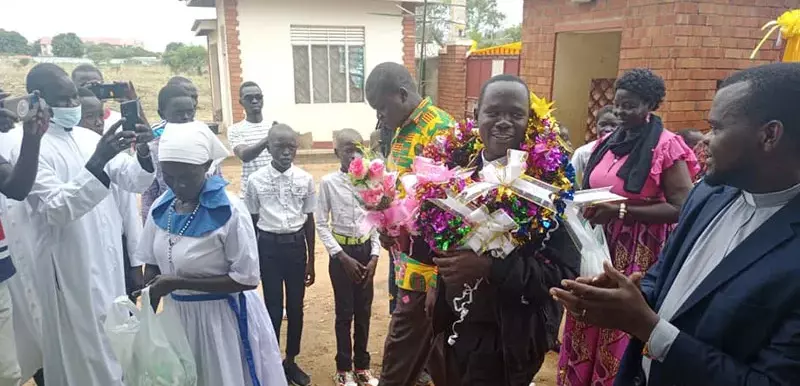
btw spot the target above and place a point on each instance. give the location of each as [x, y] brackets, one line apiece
[66, 117]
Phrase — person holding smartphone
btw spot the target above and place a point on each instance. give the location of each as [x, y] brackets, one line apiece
[15, 183]
[77, 228]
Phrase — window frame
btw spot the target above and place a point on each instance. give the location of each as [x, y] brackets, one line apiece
[312, 39]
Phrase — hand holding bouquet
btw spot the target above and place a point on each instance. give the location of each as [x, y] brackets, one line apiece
[376, 189]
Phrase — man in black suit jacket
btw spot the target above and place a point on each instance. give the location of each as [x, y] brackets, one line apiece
[722, 305]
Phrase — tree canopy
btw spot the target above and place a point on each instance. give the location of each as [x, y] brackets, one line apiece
[484, 23]
[12, 42]
[104, 52]
[68, 45]
[185, 58]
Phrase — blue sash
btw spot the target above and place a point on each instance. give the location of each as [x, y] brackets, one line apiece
[241, 317]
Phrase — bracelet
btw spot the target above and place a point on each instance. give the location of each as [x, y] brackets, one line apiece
[623, 210]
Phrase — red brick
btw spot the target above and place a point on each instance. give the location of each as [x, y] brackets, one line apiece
[231, 16]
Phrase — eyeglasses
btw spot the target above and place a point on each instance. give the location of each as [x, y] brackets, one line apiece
[254, 97]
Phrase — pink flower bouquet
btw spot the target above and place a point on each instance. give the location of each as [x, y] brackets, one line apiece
[376, 189]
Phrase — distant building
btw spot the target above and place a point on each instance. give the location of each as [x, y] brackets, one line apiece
[46, 43]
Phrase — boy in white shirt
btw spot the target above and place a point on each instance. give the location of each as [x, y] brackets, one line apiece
[281, 199]
[354, 248]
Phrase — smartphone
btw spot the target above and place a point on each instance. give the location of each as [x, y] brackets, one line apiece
[110, 90]
[130, 111]
[24, 106]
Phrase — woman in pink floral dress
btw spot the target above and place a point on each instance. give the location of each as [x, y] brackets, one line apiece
[653, 168]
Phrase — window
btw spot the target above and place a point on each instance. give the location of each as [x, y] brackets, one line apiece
[328, 64]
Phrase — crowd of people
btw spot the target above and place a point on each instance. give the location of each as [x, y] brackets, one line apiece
[699, 289]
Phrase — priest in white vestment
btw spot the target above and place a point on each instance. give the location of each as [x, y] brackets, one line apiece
[78, 249]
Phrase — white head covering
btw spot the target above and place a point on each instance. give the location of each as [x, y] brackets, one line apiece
[192, 143]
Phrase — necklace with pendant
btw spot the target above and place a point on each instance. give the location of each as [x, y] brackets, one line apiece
[171, 241]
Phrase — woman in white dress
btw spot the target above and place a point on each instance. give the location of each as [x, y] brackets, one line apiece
[202, 240]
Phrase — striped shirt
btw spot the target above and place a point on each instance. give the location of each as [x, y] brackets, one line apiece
[246, 133]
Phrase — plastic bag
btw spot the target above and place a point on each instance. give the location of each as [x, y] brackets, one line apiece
[159, 353]
[590, 240]
[122, 324]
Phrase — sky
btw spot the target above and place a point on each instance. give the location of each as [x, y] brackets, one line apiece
[155, 22]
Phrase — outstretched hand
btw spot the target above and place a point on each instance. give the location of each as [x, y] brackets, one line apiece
[609, 300]
[113, 142]
[40, 121]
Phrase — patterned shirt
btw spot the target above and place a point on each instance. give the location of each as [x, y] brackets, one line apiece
[282, 201]
[246, 133]
[426, 122]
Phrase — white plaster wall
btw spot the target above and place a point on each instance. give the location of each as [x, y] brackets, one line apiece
[266, 54]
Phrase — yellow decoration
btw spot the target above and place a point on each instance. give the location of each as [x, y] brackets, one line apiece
[541, 106]
[789, 25]
[509, 49]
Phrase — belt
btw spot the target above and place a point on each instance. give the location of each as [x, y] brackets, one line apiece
[241, 318]
[349, 240]
[283, 238]
[412, 275]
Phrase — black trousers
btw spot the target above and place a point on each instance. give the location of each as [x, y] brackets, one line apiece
[353, 303]
[283, 266]
[392, 285]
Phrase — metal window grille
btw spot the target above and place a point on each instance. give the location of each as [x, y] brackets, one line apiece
[328, 64]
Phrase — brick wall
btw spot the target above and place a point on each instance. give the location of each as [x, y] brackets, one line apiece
[234, 56]
[453, 80]
[692, 44]
[409, 39]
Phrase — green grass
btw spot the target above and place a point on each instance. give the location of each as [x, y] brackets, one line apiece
[147, 80]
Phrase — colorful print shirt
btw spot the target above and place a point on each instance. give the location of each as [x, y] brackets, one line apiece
[426, 122]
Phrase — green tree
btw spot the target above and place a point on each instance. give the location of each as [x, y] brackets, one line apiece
[483, 16]
[182, 58]
[104, 52]
[36, 48]
[68, 45]
[11, 42]
[434, 23]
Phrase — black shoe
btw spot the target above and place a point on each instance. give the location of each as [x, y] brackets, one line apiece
[295, 375]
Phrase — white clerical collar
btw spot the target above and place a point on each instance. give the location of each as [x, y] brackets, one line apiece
[772, 199]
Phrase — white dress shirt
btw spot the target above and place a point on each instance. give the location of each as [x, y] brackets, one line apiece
[726, 231]
[337, 202]
[282, 201]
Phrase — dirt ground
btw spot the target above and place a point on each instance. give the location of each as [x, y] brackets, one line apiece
[319, 343]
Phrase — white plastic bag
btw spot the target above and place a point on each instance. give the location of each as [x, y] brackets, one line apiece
[159, 353]
[590, 240]
[122, 324]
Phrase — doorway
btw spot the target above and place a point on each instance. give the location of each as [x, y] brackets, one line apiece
[581, 57]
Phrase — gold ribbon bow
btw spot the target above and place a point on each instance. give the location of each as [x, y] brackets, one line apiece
[511, 177]
[490, 231]
[788, 27]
